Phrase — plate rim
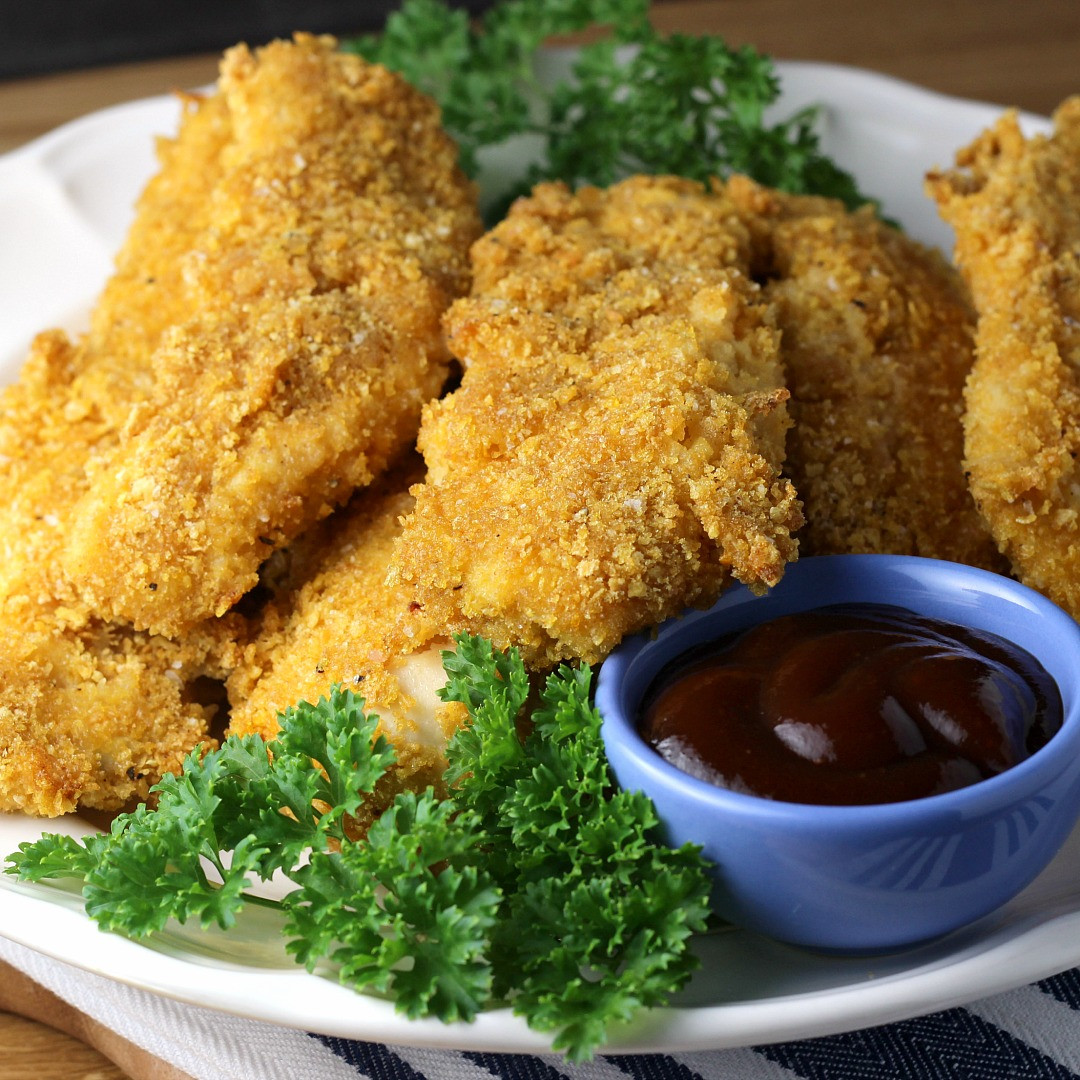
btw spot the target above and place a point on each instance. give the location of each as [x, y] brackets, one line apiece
[952, 980]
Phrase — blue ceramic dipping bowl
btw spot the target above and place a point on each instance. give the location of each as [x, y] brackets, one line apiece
[862, 878]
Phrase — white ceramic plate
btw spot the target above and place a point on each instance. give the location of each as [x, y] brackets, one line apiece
[65, 202]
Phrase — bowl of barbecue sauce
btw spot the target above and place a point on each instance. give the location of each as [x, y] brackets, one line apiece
[878, 752]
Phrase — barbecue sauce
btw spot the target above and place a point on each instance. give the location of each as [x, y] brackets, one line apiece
[853, 704]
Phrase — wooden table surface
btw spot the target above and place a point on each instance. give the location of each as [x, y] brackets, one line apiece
[1011, 53]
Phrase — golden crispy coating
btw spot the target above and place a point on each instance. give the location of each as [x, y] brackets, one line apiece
[345, 624]
[90, 713]
[1014, 204]
[94, 716]
[876, 337]
[73, 398]
[144, 295]
[611, 455]
[305, 334]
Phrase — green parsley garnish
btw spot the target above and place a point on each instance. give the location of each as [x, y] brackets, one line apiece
[536, 882]
[634, 102]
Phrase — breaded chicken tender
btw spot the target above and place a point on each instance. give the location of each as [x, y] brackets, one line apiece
[877, 340]
[1014, 203]
[93, 716]
[144, 296]
[337, 620]
[90, 713]
[612, 453]
[73, 398]
[302, 333]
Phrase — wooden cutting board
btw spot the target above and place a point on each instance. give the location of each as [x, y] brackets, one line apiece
[30, 1048]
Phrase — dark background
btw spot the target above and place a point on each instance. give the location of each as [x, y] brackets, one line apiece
[39, 36]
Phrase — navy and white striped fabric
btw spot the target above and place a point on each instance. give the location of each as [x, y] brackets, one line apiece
[1031, 1033]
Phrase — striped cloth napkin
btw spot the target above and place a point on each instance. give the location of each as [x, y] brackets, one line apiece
[1032, 1032]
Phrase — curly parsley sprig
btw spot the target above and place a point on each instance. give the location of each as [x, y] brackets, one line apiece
[597, 915]
[536, 882]
[635, 101]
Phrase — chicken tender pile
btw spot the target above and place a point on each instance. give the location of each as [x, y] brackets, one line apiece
[877, 340]
[264, 346]
[215, 490]
[1014, 204]
[612, 454]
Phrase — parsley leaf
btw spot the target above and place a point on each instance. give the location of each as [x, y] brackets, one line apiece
[406, 912]
[598, 913]
[54, 856]
[483, 79]
[633, 102]
[338, 735]
[486, 754]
